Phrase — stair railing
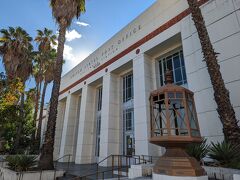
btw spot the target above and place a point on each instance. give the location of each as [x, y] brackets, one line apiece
[138, 159]
[68, 161]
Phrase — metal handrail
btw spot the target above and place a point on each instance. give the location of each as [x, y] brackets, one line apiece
[119, 162]
[150, 157]
[68, 162]
[105, 158]
[102, 172]
[63, 157]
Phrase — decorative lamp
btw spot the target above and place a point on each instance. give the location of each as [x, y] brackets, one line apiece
[174, 125]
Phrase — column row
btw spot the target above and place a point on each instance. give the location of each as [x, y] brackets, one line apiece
[79, 130]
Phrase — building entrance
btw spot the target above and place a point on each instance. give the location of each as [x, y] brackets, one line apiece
[128, 116]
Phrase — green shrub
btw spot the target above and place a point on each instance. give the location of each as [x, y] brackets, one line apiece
[198, 151]
[225, 154]
[21, 162]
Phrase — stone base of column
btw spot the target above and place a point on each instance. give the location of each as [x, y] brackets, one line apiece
[166, 177]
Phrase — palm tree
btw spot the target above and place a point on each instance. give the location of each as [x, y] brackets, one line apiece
[63, 11]
[48, 75]
[38, 79]
[225, 109]
[45, 39]
[16, 51]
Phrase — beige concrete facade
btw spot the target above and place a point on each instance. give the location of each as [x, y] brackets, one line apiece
[138, 50]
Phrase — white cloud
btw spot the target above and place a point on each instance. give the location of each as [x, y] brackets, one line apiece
[68, 54]
[82, 23]
[71, 35]
[71, 58]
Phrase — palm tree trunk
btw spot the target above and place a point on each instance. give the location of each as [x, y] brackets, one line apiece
[19, 125]
[46, 158]
[225, 109]
[38, 137]
[36, 109]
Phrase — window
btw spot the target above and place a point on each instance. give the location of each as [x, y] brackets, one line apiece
[99, 102]
[98, 119]
[128, 119]
[174, 63]
[128, 116]
[98, 133]
[127, 87]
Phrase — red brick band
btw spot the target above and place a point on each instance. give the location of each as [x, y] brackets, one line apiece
[148, 37]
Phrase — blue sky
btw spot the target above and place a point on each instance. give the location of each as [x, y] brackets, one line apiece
[103, 19]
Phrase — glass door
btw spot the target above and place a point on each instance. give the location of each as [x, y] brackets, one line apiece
[129, 140]
[130, 145]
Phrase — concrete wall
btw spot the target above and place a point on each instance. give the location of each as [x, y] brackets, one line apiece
[7, 174]
[222, 20]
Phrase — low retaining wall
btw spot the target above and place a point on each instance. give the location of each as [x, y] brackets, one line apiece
[7, 174]
[140, 170]
[222, 173]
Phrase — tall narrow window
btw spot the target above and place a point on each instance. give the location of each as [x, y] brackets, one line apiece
[99, 103]
[98, 120]
[128, 116]
[174, 63]
[127, 87]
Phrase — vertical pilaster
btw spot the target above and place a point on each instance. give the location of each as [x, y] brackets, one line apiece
[86, 139]
[110, 126]
[59, 128]
[143, 80]
[71, 127]
[69, 119]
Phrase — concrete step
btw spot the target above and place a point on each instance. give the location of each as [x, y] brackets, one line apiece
[66, 177]
[121, 173]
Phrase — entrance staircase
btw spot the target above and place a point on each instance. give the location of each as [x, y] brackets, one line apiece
[118, 169]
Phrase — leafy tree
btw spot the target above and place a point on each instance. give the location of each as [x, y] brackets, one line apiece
[63, 11]
[225, 109]
[10, 110]
[10, 116]
[2, 82]
[16, 50]
[10, 93]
